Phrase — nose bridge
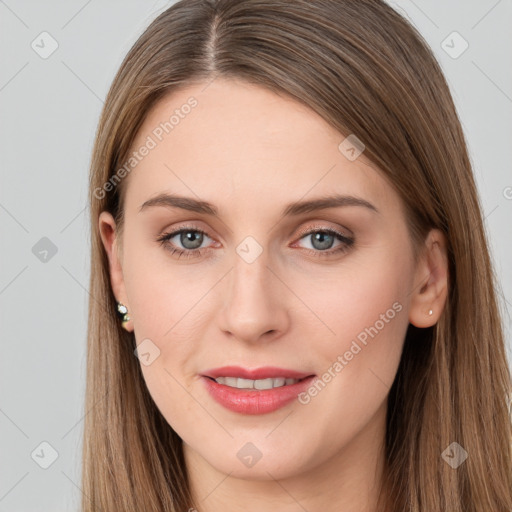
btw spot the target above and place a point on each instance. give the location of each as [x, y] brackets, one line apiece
[249, 280]
[250, 261]
[253, 303]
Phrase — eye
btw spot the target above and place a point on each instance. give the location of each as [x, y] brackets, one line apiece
[189, 238]
[322, 240]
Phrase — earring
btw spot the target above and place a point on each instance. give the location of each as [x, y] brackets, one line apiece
[430, 312]
[122, 313]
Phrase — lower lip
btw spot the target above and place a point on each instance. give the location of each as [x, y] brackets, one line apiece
[246, 401]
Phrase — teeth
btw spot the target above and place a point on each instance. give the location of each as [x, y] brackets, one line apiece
[259, 384]
[242, 383]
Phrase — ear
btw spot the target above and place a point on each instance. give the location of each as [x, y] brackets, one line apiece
[431, 282]
[107, 228]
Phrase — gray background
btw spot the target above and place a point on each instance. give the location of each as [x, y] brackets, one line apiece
[49, 112]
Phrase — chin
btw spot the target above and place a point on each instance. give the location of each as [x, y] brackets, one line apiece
[255, 461]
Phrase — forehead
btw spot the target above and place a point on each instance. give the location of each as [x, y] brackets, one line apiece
[229, 138]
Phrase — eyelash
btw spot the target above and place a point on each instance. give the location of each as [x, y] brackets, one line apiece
[189, 253]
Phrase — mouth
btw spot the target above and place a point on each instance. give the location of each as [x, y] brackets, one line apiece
[255, 391]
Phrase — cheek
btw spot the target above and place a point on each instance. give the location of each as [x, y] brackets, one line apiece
[365, 291]
[160, 292]
[356, 378]
[366, 310]
[164, 307]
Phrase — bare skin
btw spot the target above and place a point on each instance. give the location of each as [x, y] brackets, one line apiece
[298, 305]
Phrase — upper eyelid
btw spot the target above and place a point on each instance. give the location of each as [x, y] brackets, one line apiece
[323, 227]
[305, 231]
[179, 229]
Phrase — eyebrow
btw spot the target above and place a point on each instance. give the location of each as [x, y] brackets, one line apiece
[296, 208]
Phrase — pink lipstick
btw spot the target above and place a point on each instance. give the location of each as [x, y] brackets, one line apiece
[255, 391]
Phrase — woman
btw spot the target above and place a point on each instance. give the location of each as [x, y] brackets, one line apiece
[284, 218]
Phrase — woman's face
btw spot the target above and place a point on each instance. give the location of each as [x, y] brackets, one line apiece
[256, 281]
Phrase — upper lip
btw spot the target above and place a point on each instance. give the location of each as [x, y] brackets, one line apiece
[265, 372]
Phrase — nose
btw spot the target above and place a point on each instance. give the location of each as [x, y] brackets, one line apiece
[255, 308]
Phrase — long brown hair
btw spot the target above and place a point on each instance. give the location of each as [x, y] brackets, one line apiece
[366, 71]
